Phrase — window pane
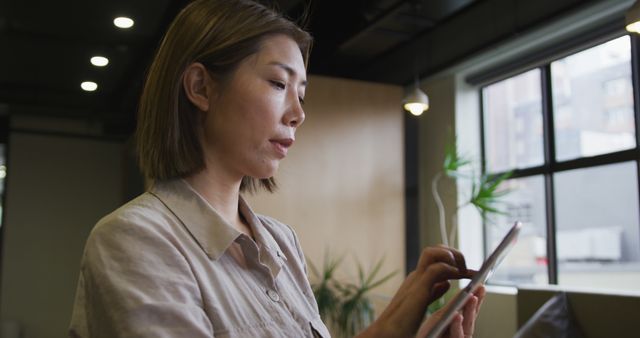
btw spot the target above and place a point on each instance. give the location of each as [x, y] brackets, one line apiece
[513, 122]
[598, 238]
[527, 261]
[593, 101]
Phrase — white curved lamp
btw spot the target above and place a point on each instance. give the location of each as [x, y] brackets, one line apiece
[416, 101]
[632, 18]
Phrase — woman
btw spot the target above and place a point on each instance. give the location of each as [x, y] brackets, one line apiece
[189, 258]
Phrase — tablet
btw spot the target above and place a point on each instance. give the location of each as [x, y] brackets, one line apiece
[487, 269]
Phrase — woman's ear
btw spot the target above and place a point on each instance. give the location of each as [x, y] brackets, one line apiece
[198, 85]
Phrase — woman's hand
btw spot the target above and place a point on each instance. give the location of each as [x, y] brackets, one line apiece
[429, 281]
[463, 324]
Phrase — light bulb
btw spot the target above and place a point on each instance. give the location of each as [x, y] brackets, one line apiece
[633, 27]
[99, 61]
[416, 108]
[123, 22]
[89, 86]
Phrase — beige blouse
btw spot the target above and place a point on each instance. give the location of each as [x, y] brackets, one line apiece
[167, 265]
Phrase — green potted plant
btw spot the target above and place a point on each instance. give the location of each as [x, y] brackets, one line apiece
[346, 307]
[485, 194]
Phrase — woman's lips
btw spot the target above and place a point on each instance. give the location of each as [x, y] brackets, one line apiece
[282, 145]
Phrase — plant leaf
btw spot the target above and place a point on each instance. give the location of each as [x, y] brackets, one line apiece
[382, 280]
[374, 271]
[485, 195]
[314, 270]
[453, 161]
[346, 307]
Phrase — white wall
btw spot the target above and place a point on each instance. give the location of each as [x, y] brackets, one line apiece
[498, 316]
[57, 188]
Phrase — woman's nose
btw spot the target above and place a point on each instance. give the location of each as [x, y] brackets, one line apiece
[295, 116]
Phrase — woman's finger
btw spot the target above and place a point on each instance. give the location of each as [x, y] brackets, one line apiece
[440, 272]
[442, 254]
[455, 328]
[433, 255]
[469, 313]
[439, 289]
[480, 292]
[429, 281]
[458, 257]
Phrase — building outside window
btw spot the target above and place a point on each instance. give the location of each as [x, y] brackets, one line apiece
[568, 131]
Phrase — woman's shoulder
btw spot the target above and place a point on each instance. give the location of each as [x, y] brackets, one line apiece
[143, 212]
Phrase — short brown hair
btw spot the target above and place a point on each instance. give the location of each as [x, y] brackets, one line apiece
[219, 34]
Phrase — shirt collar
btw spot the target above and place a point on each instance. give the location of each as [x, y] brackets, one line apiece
[210, 230]
[261, 234]
[213, 234]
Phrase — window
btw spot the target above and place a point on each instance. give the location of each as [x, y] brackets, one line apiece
[567, 130]
[596, 100]
[513, 122]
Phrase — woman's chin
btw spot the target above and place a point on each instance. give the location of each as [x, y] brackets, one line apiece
[266, 172]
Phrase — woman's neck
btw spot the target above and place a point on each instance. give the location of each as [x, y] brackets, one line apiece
[222, 194]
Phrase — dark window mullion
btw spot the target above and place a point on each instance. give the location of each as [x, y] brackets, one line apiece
[549, 165]
[595, 161]
[520, 173]
[483, 166]
[635, 81]
[578, 163]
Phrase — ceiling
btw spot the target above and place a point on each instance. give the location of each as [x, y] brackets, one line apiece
[46, 46]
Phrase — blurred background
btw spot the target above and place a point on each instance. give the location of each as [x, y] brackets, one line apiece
[546, 90]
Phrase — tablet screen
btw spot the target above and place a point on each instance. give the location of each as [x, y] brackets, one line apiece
[497, 256]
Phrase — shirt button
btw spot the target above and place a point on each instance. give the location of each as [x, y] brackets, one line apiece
[273, 295]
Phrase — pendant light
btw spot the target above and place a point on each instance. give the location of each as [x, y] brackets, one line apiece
[632, 18]
[416, 101]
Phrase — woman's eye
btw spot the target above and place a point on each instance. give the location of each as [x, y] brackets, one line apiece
[278, 84]
[301, 99]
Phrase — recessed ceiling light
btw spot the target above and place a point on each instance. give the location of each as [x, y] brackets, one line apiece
[99, 61]
[123, 22]
[89, 86]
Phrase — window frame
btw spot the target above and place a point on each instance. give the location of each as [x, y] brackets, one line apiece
[550, 165]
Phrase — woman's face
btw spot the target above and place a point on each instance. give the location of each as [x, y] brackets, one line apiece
[252, 119]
